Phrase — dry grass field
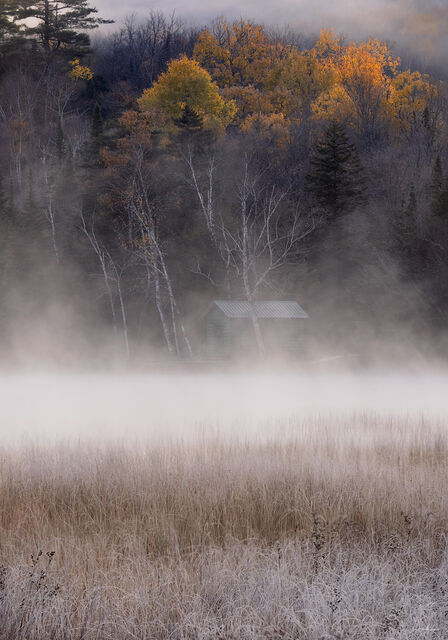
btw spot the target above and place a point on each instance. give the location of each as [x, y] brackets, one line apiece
[327, 527]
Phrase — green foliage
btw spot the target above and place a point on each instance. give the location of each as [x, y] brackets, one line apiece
[336, 180]
[59, 25]
[10, 35]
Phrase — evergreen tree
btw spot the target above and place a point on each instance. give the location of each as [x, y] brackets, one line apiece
[410, 248]
[438, 190]
[191, 121]
[411, 209]
[191, 131]
[9, 29]
[440, 202]
[437, 179]
[7, 24]
[60, 25]
[336, 180]
[97, 122]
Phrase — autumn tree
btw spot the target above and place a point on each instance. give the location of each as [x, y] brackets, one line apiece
[411, 96]
[237, 54]
[296, 81]
[132, 197]
[360, 95]
[240, 56]
[336, 180]
[186, 89]
[436, 185]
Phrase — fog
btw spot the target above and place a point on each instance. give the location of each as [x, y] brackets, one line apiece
[136, 408]
[418, 24]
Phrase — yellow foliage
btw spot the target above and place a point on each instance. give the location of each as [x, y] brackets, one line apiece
[237, 54]
[363, 75]
[297, 80]
[411, 94]
[334, 104]
[79, 71]
[249, 100]
[328, 47]
[187, 83]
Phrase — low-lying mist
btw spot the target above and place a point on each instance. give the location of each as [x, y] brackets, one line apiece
[130, 408]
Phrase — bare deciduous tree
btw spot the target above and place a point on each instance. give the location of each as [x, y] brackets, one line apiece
[261, 234]
[112, 276]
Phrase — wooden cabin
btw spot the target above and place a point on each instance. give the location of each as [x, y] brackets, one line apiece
[230, 333]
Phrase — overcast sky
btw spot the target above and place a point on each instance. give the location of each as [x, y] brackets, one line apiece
[424, 23]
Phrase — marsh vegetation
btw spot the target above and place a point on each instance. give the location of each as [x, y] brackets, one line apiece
[328, 521]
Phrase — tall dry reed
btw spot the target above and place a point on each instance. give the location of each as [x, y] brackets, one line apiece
[334, 529]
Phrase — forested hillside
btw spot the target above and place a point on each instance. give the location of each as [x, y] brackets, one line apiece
[157, 167]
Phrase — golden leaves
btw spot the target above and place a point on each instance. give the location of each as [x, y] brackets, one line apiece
[187, 83]
[239, 53]
[79, 71]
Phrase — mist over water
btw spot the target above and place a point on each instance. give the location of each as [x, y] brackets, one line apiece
[136, 408]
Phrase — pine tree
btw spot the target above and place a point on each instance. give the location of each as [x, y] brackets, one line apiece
[439, 190]
[97, 122]
[7, 24]
[192, 130]
[336, 180]
[9, 29]
[411, 209]
[6, 221]
[191, 121]
[60, 25]
[437, 178]
[440, 203]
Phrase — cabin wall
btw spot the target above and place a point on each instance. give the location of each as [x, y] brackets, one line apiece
[235, 337]
[218, 335]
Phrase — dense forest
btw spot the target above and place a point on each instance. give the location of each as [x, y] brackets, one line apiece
[156, 167]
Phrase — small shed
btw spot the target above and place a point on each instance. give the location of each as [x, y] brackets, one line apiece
[230, 332]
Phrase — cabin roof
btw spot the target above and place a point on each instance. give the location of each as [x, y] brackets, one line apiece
[263, 309]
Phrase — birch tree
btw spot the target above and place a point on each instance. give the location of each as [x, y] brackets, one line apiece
[260, 233]
[132, 188]
[112, 277]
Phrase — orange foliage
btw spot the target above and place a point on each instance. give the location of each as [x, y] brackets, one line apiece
[411, 94]
[239, 73]
[363, 75]
[237, 54]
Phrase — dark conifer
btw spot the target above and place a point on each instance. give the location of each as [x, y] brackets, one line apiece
[97, 122]
[437, 179]
[336, 180]
[411, 209]
[190, 121]
[438, 190]
[10, 31]
[60, 26]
